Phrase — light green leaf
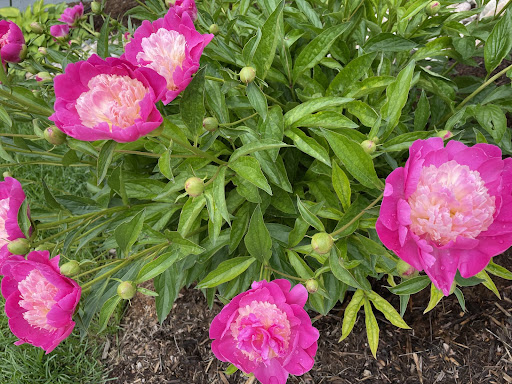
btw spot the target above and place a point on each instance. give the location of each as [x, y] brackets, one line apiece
[309, 217]
[249, 168]
[255, 146]
[126, 233]
[308, 145]
[372, 328]
[190, 213]
[105, 159]
[326, 119]
[102, 48]
[352, 72]
[499, 42]
[350, 315]
[157, 266]
[498, 270]
[387, 310]
[192, 103]
[341, 185]
[164, 164]
[226, 271]
[219, 194]
[487, 282]
[311, 106]
[435, 297]
[257, 100]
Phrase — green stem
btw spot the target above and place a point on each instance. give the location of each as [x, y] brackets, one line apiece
[34, 245]
[84, 216]
[284, 274]
[19, 135]
[43, 163]
[147, 154]
[502, 9]
[16, 149]
[238, 121]
[32, 107]
[357, 216]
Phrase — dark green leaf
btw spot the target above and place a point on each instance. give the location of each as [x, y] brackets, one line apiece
[257, 240]
[499, 42]
[257, 100]
[226, 271]
[192, 103]
[249, 169]
[126, 233]
[411, 286]
[105, 159]
[103, 39]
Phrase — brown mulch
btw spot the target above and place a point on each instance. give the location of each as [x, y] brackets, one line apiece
[444, 346]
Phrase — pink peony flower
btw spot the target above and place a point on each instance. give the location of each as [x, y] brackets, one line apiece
[11, 198]
[71, 16]
[181, 6]
[448, 208]
[39, 300]
[107, 99]
[266, 331]
[172, 47]
[59, 30]
[12, 42]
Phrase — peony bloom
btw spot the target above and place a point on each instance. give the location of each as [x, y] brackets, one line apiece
[39, 300]
[59, 31]
[266, 331]
[71, 16]
[12, 42]
[107, 99]
[172, 47]
[448, 208]
[181, 6]
[11, 198]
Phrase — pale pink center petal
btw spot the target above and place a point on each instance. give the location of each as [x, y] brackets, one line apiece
[262, 331]
[4, 208]
[37, 297]
[165, 51]
[450, 201]
[112, 99]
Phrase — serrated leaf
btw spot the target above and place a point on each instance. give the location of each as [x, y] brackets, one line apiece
[387, 310]
[435, 297]
[226, 271]
[350, 315]
[106, 311]
[257, 240]
[126, 233]
[249, 169]
[372, 328]
[105, 159]
[157, 266]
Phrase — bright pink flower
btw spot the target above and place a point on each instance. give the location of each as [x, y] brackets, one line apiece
[11, 198]
[448, 208]
[71, 16]
[107, 99]
[59, 30]
[172, 47]
[39, 300]
[12, 42]
[189, 6]
[266, 331]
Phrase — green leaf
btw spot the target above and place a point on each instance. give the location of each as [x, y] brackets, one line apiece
[300, 266]
[317, 49]
[226, 271]
[167, 285]
[239, 227]
[257, 240]
[23, 219]
[49, 198]
[5, 155]
[341, 185]
[352, 72]
[190, 213]
[411, 286]
[492, 119]
[105, 159]
[387, 310]
[499, 42]
[311, 106]
[106, 311]
[460, 298]
[357, 162]
[4, 117]
[422, 112]
[157, 266]
[498, 270]
[310, 217]
[366, 114]
[103, 39]
[219, 194]
[255, 146]
[257, 99]
[192, 103]
[326, 119]
[435, 297]
[372, 328]
[350, 315]
[308, 145]
[126, 233]
[336, 262]
[164, 164]
[249, 168]
[310, 13]
[487, 282]
[388, 42]
[266, 49]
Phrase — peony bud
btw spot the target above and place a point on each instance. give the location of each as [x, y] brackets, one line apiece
[54, 135]
[210, 124]
[432, 8]
[247, 74]
[43, 76]
[96, 7]
[36, 27]
[405, 270]
[444, 134]
[194, 186]
[126, 290]
[214, 28]
[19, 246]
[311, 285]
[369, 146]
[322, 243]
[6, 174]
[70, 268]
[42, 51]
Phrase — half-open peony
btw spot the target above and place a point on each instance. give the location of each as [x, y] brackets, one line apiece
[448, 208]
[39, 300]
[59, 31]
[107, 99]
[172, 47]
[71, 16]
[267, 332]
[11, 198]
[12, 42]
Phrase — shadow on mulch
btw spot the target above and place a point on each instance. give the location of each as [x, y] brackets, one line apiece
[444, 346]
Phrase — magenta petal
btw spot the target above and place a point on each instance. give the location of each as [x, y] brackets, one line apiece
[442, 272]
[273, 373]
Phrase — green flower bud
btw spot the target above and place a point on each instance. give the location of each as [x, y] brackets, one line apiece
[322, 243]
[369, 146]
[311, 285]
[54, 135]
[43, 76]
[214, 28]
[247, 74]
[444, 134]
[405, 270]
[210, 124]
[19, 246]
[70, 268]
[432, 8]
[194, 186]
[6, 174]
[36, 27]
[170, 3]
[126, 290]
[96, 7]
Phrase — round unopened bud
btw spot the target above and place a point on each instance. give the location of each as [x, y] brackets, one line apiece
[322, 243]
[96, 7]
[194, 186]
[36, 27]
[126, 290]
[369, 146]
[19, 246]
[210, 124]
[43, 76]
[432, 8]
[70, 268]
[23, 52]
[405, 270]
[42, 50]
[444, 134]
[247, 74]
[311, 285]
[6, 174]
[54, 135]
[214, 28]
[170, 3]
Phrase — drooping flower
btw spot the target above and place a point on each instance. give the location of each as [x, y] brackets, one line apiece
[172, 47]
[11, 198]
[71, 16]
[39, 300]
[107, 99]
[12, 42]
[448, 208]
[266, 331]
[59, 31]
[181, 6]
